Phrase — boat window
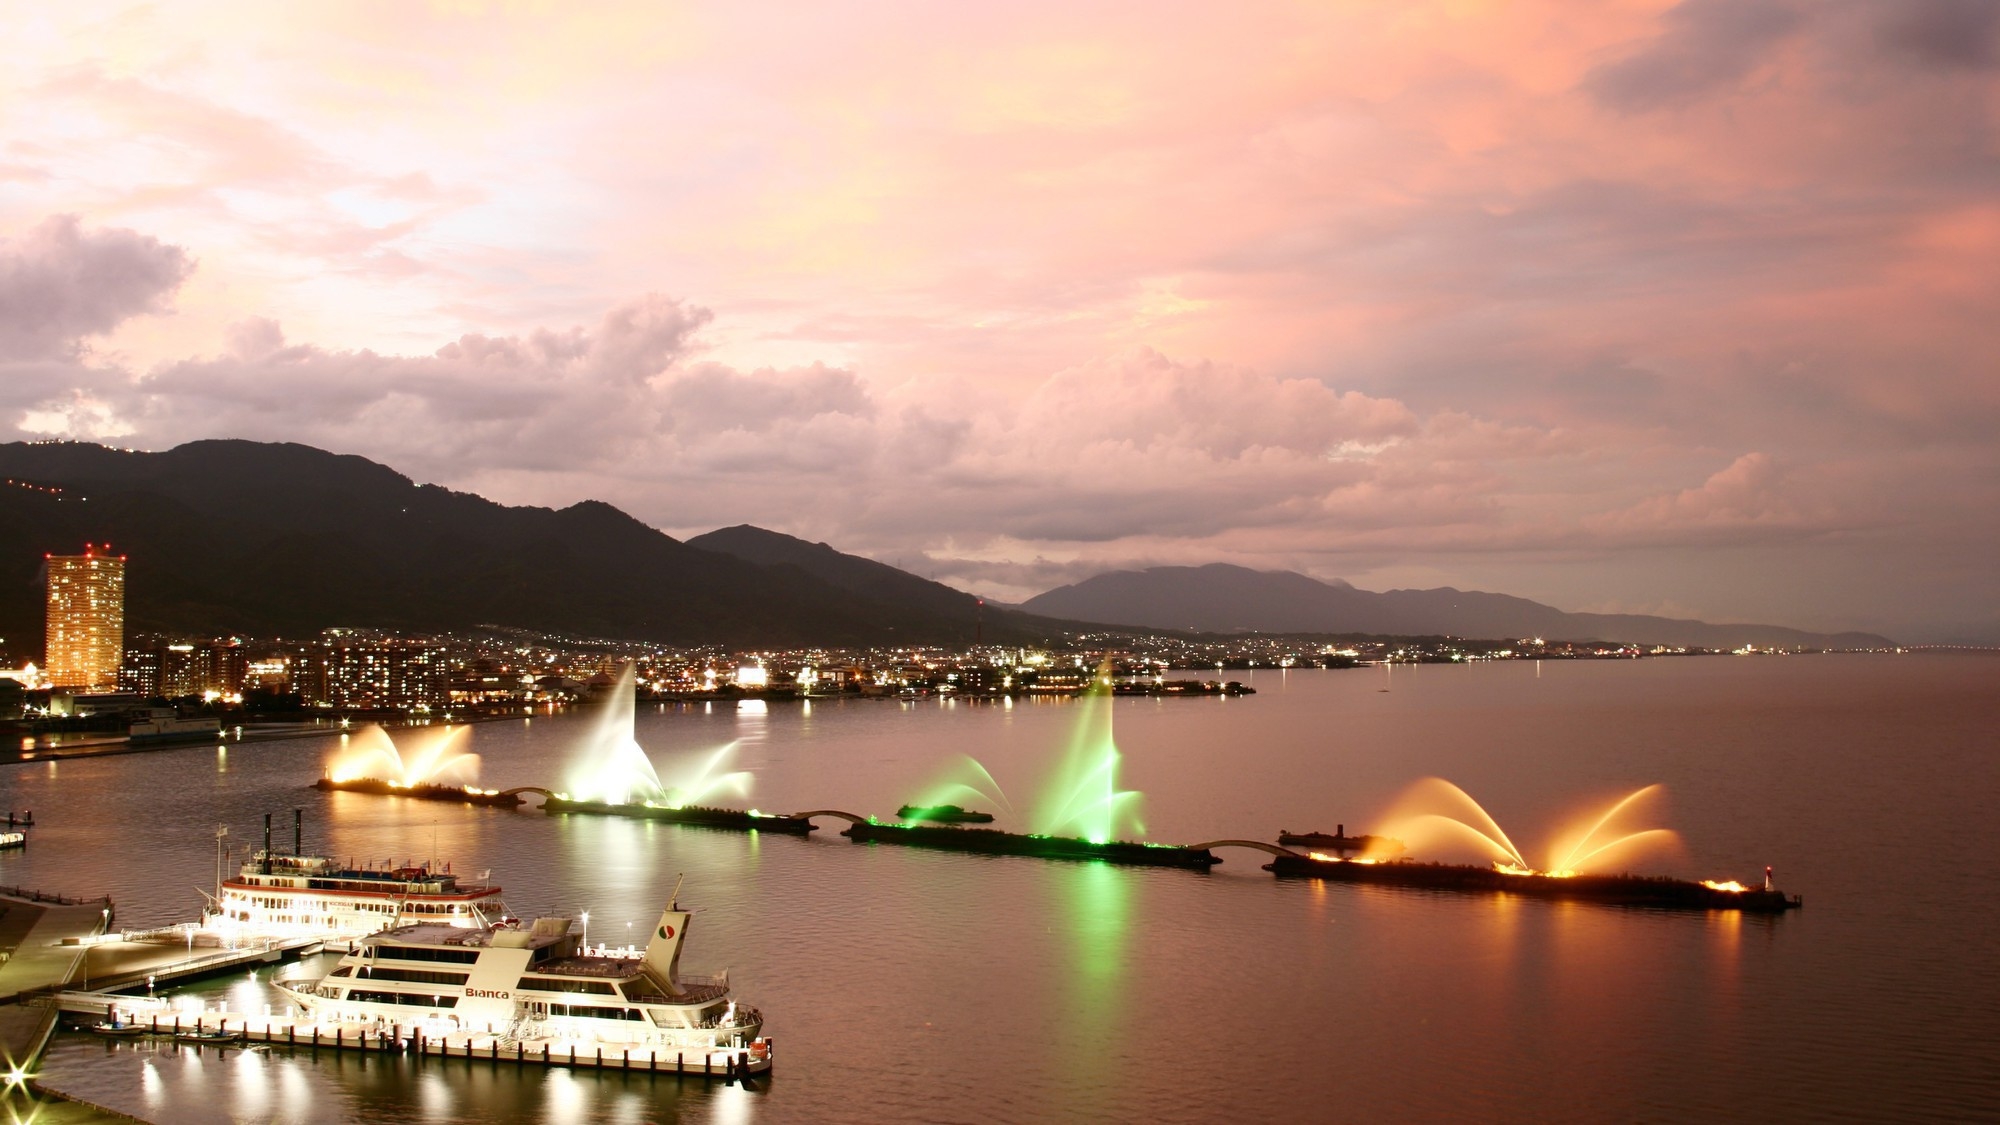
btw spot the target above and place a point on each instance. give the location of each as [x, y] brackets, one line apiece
[415, 976]
[407, 999]
[409, 953]
[557, 984]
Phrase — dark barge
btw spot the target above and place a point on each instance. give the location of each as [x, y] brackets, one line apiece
[1617, 890]
[422, 791]
[1339, 841]
[992, 841]
[698, 816]
[944, 814]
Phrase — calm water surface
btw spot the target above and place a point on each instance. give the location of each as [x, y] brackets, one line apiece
[907, 985]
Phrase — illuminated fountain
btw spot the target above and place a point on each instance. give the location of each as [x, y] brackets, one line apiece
[612, 768]
[1418, 819]
[1083, 815]
[614, 777]
[437, 768]
[1084, 799]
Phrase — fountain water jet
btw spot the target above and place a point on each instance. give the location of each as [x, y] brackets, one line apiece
[952, 791]
[698, 785]
[1085, 800]
[613, 768]
[436, 758]
[1411, 825]
[1413, 814]
[1577, 855]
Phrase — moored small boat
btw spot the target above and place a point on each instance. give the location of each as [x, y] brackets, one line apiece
[209, 1035]
[944, 814]
[1339, 841]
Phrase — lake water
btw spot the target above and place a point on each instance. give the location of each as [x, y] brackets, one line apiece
[901, 984]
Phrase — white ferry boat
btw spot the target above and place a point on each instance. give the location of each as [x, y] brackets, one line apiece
[535, 988]
[296, 895]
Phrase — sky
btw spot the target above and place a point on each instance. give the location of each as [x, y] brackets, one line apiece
[1627, 306]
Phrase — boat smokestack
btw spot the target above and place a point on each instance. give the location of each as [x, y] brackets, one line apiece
[298, 831]
[663, 950]
[267, 843]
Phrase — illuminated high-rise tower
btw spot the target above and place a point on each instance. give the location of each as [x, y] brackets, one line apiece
[86, 638]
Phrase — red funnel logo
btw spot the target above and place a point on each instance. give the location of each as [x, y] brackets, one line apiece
[666, 932]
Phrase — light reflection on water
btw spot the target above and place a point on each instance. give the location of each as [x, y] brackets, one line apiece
[897, 982]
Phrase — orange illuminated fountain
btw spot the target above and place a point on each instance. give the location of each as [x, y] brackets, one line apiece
[437, 768]
[1436, 811]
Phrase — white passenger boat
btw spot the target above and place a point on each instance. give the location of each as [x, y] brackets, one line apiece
[535, 988]
[279, 895]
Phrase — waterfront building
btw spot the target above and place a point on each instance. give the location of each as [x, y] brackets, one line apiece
[86, 619]
[371, 673]
[180, 669]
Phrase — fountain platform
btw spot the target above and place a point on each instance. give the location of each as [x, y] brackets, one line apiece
[991, 841]
[422, 791]
[1617, 890]
[698, 816]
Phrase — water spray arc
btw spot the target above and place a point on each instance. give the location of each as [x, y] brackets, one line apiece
[436, 757]
[614, 769]
[982, 788]
[1084, 799]
[1469, 821]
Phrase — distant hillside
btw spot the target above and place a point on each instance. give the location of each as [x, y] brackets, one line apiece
[862, 577]
[1222, 598]
[266, 539]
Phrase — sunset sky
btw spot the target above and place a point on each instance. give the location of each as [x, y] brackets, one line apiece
[1626, 306]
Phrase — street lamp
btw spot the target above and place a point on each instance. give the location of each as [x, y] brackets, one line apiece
[586, 929]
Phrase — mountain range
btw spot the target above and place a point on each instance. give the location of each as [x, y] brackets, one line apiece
[285, 540]
[1223, 599]
[273, 540]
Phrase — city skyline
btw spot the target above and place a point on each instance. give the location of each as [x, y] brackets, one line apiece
[1655, 308]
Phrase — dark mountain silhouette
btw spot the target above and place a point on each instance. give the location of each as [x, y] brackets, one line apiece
[285, 540]
[1222, 598]
[861, 577]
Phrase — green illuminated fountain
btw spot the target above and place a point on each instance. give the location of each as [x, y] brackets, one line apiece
[1083, 798]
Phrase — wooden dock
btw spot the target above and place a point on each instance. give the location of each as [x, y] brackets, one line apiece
[728, 1064]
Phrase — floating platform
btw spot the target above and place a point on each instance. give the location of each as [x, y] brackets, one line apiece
[729, 1063]
[992, 841]
[423, 791]
[944, 814]
[699, 816]
[1616, 890]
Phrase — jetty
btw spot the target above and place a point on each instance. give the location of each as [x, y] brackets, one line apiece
[424, 1040]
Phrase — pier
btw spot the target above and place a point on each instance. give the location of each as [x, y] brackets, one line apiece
[152, 1017]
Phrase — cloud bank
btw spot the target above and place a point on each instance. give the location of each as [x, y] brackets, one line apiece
[1616, 304]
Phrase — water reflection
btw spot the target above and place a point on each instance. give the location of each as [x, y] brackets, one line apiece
[1091, 1003]
[172, 1084]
